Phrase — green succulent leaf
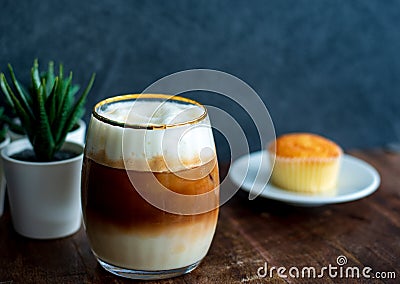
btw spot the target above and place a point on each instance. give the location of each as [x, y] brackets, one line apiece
[64, 109]
[23, 114]
[35, 75]
[50, 77]
[43, 142]
[76, 111]
[3, 83]
[20, 90]
[65, 87]
[51, 103]
[74, 90]
[3, 129]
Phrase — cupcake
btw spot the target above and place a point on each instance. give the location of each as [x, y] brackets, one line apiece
[305, 163]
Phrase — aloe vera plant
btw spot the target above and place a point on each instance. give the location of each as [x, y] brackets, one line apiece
[48, 109]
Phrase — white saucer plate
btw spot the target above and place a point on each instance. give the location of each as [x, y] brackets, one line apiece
[356, 180]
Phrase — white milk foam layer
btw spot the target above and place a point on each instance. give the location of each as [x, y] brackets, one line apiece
[151, 112]
[158, 150]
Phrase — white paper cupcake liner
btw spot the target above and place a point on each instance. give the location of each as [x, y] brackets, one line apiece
[306, 175]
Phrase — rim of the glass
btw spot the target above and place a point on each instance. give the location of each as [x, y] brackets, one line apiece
[147, 96]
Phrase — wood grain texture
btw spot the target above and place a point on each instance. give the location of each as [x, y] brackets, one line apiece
[249, 233]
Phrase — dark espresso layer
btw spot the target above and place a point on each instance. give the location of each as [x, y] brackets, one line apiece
[109, 196]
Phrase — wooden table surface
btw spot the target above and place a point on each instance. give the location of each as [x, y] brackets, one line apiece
[249, 234]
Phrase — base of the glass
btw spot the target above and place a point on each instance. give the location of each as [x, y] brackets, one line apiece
[146, 274]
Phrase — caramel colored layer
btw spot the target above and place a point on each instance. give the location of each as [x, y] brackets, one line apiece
[304, 145]
[108, 196]
[155, 164]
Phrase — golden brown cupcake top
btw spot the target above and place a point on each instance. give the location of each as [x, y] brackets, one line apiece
[305, 145]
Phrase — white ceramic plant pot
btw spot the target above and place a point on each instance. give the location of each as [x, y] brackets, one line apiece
[2, 177]
[44, 197]
[78, 135]
[15, 136]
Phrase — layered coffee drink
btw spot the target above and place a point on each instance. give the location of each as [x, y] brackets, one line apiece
[150, 185]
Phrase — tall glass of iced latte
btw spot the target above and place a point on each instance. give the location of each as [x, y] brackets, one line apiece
[150, 185]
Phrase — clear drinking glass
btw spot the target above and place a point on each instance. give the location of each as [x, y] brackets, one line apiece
[150, 185]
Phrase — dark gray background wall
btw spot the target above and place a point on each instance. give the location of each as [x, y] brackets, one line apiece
[331, 67]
